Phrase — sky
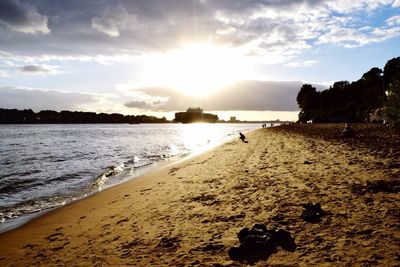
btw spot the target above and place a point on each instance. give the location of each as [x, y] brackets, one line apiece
[243, 58]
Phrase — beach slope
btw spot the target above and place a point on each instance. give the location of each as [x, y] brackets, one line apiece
[189, 214]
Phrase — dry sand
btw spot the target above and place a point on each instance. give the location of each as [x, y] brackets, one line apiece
[188, 214]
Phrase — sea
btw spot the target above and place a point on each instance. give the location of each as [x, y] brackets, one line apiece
[46, 166]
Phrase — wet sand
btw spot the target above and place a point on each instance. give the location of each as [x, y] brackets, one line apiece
[188, 214]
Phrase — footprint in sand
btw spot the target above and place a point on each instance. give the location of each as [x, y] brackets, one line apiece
[28, 246]
[122, 220]
[54, 237]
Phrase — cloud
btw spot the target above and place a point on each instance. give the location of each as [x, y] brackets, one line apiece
[245, 95]
[39, 69]
[298, 64]
[144, 105]
[3, 74]
[393, 21]
[353, 37]
[22, 17]
[111, 20]
[278, 30]
[38, 99]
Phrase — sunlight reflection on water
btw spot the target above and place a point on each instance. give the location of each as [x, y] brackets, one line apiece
[199, 137]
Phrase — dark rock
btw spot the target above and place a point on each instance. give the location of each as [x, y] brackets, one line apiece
[260, 228]
[307, 162]
[243, 233]
[285, 240]
[235, 253]
[259, 243]
[312, 213]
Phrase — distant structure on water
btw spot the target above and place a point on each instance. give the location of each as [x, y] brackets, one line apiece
[195, 110]
[233, 119]
[194, 114]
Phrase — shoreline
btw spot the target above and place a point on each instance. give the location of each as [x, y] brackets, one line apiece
[19, 221]
[189, 213]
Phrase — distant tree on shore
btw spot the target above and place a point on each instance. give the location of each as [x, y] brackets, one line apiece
[13, 116]
[350, 102]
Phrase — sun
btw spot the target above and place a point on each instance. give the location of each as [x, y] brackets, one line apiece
[195, 69]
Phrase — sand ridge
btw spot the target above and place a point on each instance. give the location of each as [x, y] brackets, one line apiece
[189, 214]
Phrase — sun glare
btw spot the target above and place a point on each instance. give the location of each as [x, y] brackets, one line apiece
[196, 69]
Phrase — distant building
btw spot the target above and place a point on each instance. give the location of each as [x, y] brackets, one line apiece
[232, 119]
[195, 115]
[195, 110]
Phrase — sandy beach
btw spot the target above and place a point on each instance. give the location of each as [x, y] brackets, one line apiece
[189, 213]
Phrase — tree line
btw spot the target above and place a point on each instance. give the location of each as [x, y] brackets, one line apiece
[353, 102]
[13, 116]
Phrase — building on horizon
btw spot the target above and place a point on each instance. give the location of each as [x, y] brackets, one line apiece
[195, 115]
[197, 110]
[233, 119]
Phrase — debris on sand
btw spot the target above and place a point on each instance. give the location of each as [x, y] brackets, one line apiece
[259, 243]
[387, 186]
[312, 212]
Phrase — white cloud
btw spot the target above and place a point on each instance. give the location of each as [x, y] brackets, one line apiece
[298, 64]
[351, 37]
[22, 17]
[111, 20]
[393, 21]
[346, 6]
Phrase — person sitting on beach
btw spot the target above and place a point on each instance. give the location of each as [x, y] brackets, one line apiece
[348, 131]
[242, 137]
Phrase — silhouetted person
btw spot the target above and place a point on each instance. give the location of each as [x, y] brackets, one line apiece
[242, 137]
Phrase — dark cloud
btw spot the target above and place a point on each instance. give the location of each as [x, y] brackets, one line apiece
[22, 17]
[246, 95]
[144, 105]
[111, 20]
[37, 69]
[21, 98]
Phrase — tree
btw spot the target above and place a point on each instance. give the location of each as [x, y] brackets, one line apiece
[391, 70]
[392, 111]
[372, 74]
[345, 102]
[306, 96]
[392, 79]
[307, 99]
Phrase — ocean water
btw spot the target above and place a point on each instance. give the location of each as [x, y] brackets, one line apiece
[46, 166]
